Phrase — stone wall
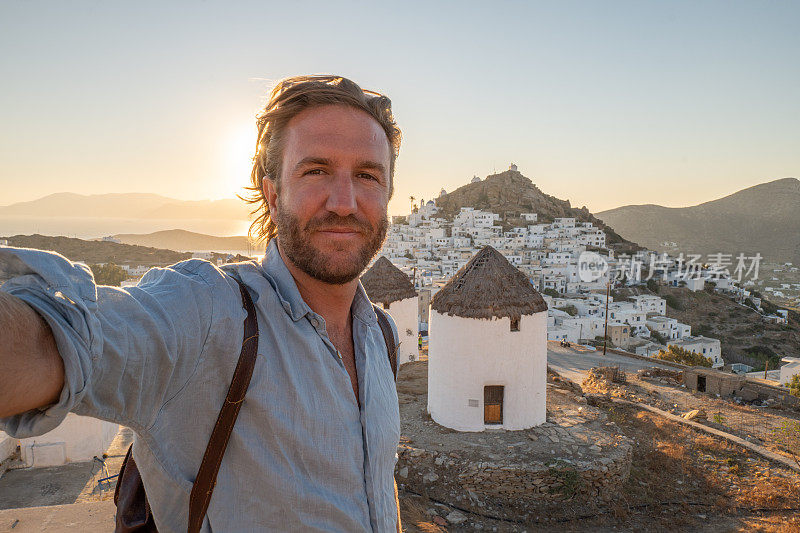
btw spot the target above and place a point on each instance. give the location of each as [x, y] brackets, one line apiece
[513, 489]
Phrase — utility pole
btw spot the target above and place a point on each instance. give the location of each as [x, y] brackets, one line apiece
[605, 333]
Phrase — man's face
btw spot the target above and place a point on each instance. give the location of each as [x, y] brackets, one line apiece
[330, 210]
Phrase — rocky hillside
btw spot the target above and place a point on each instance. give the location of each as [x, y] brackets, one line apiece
[764, 219]
[510, 194]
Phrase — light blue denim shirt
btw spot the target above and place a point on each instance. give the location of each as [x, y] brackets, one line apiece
[159, 357]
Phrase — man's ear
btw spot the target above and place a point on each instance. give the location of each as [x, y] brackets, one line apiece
[270, 193]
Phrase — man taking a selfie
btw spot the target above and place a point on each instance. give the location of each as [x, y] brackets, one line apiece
[314, 444]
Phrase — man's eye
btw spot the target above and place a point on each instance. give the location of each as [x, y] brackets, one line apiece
[368, 176]
[315, 171]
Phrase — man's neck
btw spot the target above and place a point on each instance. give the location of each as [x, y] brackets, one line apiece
[331, 301]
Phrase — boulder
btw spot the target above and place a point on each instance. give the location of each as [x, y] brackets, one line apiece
[696, 414]
[456, 517]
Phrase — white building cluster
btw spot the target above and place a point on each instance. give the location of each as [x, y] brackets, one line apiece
[431, 249]
[436, 248]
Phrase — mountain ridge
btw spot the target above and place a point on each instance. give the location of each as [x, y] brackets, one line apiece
[127, 205]
[763, 218]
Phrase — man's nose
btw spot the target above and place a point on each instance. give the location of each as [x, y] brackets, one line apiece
[342, 195]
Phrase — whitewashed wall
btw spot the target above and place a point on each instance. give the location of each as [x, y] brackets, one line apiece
[8, 446]
[406, 316]
[466, 354]
[77, 439]
[788, 371]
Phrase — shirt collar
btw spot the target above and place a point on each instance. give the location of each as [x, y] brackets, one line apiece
[288, 293]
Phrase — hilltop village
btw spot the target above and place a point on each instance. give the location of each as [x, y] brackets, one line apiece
[571, 264]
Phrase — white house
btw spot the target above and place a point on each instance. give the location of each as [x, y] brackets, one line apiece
[704, 346]
[695, 284]
[650, 304]
[487, 352]
[789, 369]
[76, 439]
[387, 286]
[8, 445]
[664, 326]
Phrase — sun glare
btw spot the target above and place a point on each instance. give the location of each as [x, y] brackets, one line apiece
[238, 160]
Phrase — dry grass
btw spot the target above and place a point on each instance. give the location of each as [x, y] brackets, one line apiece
[693, 474]
[414, 516]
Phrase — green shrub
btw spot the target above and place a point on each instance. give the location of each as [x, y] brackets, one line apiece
[794, 385]
[703, 329]
[652, 286]
[676, 354]
[109, 274]
[673, 302]
[658, 337]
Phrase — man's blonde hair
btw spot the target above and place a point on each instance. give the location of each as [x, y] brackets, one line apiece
[290, 97]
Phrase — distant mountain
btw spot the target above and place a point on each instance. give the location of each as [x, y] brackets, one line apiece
[127, 205]
[92, 252]
[510, 194]
[182, 240]
[764, 218]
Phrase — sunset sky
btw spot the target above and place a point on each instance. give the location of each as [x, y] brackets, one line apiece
[602, 103]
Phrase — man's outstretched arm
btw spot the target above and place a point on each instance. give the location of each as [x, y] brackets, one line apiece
[31, 370]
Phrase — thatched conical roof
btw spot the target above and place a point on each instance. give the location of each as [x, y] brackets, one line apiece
[488, 287]
[385, 283]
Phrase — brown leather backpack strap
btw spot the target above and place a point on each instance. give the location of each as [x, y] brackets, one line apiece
[388, 338]
[207, 474]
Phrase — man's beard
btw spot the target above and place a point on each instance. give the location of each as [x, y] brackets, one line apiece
[296, 244]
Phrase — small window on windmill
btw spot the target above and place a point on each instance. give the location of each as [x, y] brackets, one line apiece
[515, 324]
[386, 305]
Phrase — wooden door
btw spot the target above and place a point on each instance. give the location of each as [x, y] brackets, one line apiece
[493, 404]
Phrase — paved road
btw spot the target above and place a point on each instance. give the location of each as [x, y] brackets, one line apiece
[93, 516]
[574, 365]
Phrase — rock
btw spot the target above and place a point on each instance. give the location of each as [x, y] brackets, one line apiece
[439, 460]
[696, 414]
[430, 477]
[439, 520]
[403, 473]
[456, 517]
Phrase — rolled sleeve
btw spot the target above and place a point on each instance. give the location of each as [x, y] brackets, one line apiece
[125, 351]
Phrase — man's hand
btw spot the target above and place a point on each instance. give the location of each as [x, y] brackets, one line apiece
[31, 370]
